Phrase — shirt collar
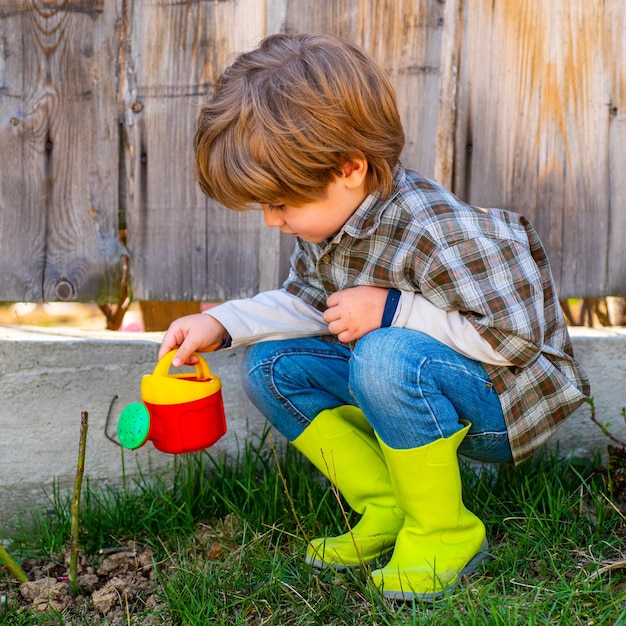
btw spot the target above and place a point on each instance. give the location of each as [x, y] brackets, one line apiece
[366, 219]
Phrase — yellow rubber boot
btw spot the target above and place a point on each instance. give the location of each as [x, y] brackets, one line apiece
[342, 445]
[440, 540]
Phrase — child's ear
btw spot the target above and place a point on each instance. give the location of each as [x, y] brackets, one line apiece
[354, 173]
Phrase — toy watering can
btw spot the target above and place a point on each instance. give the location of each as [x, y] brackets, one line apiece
[179, 413]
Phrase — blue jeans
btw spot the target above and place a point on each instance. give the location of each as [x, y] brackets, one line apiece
[412, 389]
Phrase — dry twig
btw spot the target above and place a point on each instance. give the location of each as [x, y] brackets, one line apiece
[12, 566]
[75, 515]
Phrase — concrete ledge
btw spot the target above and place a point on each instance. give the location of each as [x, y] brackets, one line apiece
[602, 353]
[49, 376]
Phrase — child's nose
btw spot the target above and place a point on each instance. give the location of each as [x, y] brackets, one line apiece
[272, 218]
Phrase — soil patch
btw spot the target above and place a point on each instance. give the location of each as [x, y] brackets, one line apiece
[114, 585]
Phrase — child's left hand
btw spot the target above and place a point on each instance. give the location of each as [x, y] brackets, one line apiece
[354, 312]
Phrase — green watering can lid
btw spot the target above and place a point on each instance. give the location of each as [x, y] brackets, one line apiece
[134, 425]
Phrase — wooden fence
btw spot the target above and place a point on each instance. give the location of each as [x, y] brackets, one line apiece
[517, 103]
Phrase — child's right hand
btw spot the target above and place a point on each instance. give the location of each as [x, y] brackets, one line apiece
[354, 312]
[192, 333]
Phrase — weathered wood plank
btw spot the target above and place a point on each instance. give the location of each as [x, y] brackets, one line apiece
[615, 64]
[535, 88]
[406, 37]
[59, 138]
[182, 246]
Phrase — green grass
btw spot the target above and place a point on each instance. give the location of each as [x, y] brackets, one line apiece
[229, 540]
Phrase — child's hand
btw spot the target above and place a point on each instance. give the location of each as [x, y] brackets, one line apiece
[354, 312]
[192, 333]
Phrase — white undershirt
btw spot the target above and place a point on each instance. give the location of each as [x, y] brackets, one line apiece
[277, 314]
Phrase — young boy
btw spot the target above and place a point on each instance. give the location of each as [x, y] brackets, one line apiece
[412, 327]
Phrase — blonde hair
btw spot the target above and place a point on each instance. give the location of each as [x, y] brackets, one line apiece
[283, 120]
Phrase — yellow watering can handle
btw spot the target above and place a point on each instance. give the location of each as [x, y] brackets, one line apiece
[162, 368]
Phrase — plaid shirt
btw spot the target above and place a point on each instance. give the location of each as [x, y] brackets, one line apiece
[489, 264]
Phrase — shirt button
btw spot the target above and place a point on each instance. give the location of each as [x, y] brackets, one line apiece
[325, 258]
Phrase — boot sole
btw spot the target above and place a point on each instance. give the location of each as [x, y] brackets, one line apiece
[471, 567]
[320, 564]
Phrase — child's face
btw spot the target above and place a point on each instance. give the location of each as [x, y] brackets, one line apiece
[320, 219]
